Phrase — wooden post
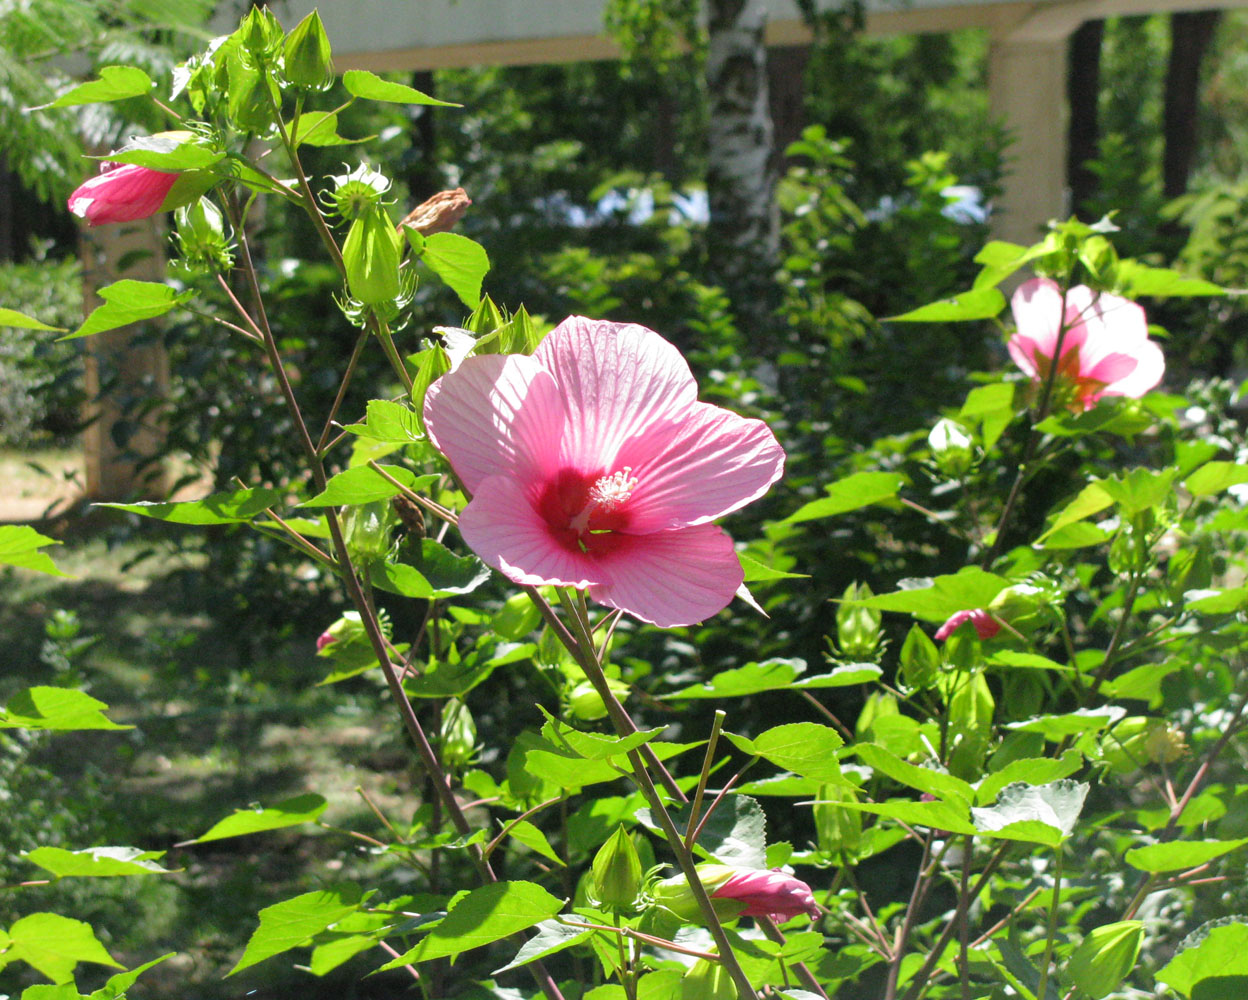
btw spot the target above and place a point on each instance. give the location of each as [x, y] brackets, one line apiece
[127, 370]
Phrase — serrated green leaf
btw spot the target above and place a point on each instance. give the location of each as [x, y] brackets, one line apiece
[371, 87]
[1213, 951]
[1029, 770]
[118, 985]
[1092, 499]
[97, 862]
[769, 675]
[572, 771]
[1217, 602]
[481, 917]
[978, 303]
[289, 812]
[840, 676]
[524, 832]
[951, 816]
[55, 708]
[388, 421]
[20, 321]
[805, 748]
[924, 779]
[937, 598]
[552, 936]
[1135, 279]
[363, 484]
[54, 945]
[172, 152]
[460, 262]
[115, 83]
[1180, 855]
[354, 933]
[1083, 720]
[320, 128]
[449, 575]
[1044, 814]
[219, 508]
[129, 301]
[735, 833]
[594, 746]
[859, 490]
[20, 545]
[295, 921]
[756, 572]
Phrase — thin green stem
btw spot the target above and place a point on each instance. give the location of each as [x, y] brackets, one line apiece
[707, 759]
[1050, 934]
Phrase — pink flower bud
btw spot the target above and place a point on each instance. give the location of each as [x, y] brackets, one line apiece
[774, 894]
[986, 626]
[122, 194]
[324, 639]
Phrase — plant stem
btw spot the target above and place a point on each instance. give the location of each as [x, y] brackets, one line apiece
[698, 792]
[1050, 934]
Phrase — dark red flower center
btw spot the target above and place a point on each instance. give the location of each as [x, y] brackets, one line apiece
[587, 511]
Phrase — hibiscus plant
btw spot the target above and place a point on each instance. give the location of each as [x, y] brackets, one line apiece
[1040, 738]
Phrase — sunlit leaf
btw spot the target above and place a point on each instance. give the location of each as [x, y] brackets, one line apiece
[294, 921]
[289, 812]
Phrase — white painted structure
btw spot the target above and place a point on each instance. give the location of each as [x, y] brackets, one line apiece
[1027, 58]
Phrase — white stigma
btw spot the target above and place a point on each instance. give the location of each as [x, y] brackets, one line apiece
[609, 491]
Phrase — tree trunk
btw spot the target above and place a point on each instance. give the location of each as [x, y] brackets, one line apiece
[1190, 35]
[421, 174]
[1083, 88]
[786, 81]
[740, 173]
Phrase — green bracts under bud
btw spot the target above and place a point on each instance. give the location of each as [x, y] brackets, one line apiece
[586, 704]
[617, 872]
[308, 62]
[675, 894]
[371, 255]
[920, 659]
[368, 528]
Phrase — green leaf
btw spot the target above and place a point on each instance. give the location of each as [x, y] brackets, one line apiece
[128, 301]
[924, 779]
[1180, 855]
[320, 128]
[770, 675]
[55, 708]
[354, 933]
[1082, 720]
[293, 922]
[289, 812]
[1214, 477]
[172, 152]
[1043, 814]
[1030, 770]
[220, 508]
[20, 545]
[524, 832]
[859, 490]
[13, 318]
[1216, 949]
[115, 83]
[460, 262]
[841, 676]
[979, 303]
[481, 917]
[552, 936]
[1027, 661]
[363, 484]
[571, 771]
[118, 985]
[805, 748]
[371, 87]
[756, 572]
[1217, 602]
[1092, 499]
[1135, 279]
[97, 862]
[55, 945]
[1105, 957]
[951, 816]
[735, 834]
[936, 599]
[449, 575]
[388, 421]
[594, 746]
[1139, 489]
[1001, 259]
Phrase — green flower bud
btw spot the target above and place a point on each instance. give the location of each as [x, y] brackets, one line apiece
[1028, 606]
[459, 734]
[356, 192]
[308, 62]
[617, 872]
[371, 254]
[201, 237]
[674, 893]
[261, 35]
[586, 705]
[953, 450]
[1105, 957]
[920, 659]
[857, 628]
[368, 528]
[838, 830]
[707, 980]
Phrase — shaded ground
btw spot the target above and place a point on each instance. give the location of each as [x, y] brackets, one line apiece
[36, 485]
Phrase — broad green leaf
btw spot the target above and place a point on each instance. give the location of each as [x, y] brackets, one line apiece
[320, 128]
[20, 321]
[460, 262]
[129, 301]
[978, 303]
[770, 675]
[1143, 683]
[97, 862]
[1035, 813]
[1027, 661]
[1137, 490]
[65, 991]
[293, 922]
[399, 578]
[481, 917]
[363, 484]
[993, 407]
[1214, 477]
[220, 508]
[756, 572]
[1001, 259]
[1083, 720]
[354, 933]
[361, 83]
[116, 83]
[1105, 957]
[840, 676]
[951, 816]
[859, 490]
[805, 748]
[1029, 770]
[531, 837]
[571, 771]
[735, 833]
[289, 812]
[1180, 855]
[449, 575]
[20, 545]
[117, 985]
[1216, 949]
[551, 936]
[54, 945]
[594, 746]
[173, 152]
[936, 599]
[388, 421]
[1079, 535]
[1092, 499]
[1135, 279]
[55, 708]
[924, 779]
[1217, 602]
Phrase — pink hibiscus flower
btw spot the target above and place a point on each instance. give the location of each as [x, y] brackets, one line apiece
[121, 194]
[592, 464]
[986, 626]
[1106, 350]
[774, 894]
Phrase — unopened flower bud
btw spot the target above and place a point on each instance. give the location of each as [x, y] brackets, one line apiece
[838, 830]
[371, 254]
[857, 627]
[675, 894]
[707, 980]
[261, 35]
[368, 528]
[345, 630]
[356, 192]
[202, 238]
[586, 704]
[952, 448]
[617, 871]
[986, 626]
[459, 734]
[308, 62]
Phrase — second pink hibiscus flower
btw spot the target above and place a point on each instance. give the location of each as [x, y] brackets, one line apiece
[592, 464]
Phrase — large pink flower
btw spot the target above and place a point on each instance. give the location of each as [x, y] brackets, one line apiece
[1105, 352]
[774, 894]
[121, 194]
[592, 464]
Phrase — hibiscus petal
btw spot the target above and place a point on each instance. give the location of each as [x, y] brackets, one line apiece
[496, 414]
[1037, 308]
[712, 462]
[671, 577]
[617, 380]
[1110, 369]
[1150, 367]
[501, 526]
[1115, 326]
